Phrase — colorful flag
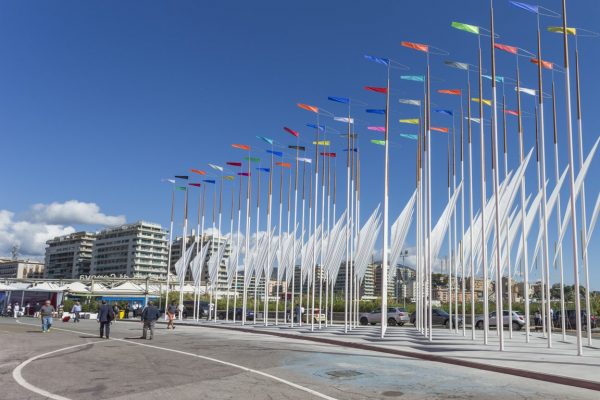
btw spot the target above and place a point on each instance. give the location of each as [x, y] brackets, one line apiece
[209, 181]
[229, 177]
[527, 7]
[456, 64]
[498, 78]
[244, 173]
[293, 132]
[299, 148]
[410, 102]
[241, 146]
[378, 60]
[194, 184]
[308, 108]
[409, 136]
[264, 169]
[415, 78]
[320, 127]
[507, 48]
[169, 180]
[559, 29]
[252, 159]
[182, 177]
[376, 89]
[234, 163]
[266, 139]
[511, 112]
[306, 160]
[284, 164]
[344, 119]
[373, 111]
[376, 128]
[379, 142]
[476, 120]
[446, 112]
[180, 188]
[274, 152]
[328, 155]
[545, 64]
[217, 167]
[353, 149]
[443, 130]
[416, 46]
[484, 101]
[413, 121]
[466, 27]
[322, 143]
[343, 100]
[198, 171]
[455, 92]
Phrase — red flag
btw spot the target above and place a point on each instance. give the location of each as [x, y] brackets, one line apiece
[194, 184]
[284, 164]
[545, 64]
[508, 49]
[416, 46]
[293, 132]
[234, 163]
[197, 171]
[328, 154]
[511, 112]
[241, 146]
[456, 92]
[309, 108]
[443, 130]
[376, 89]
[244, 173]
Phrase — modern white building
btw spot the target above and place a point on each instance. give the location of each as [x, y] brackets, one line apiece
[136, 250]
[21, 269]
[69, 256]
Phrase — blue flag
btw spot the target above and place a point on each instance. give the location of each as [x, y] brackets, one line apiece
[343, 100]
[371, 111]
[378, 60]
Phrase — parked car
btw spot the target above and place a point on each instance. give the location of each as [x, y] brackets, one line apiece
[188, 309]
[306, 317]
[517, 320]
[439, 317]
[395, 316]
[238, 314]
[571, 320]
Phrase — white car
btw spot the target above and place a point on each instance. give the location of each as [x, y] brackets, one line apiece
[517, 320]
[395, 316]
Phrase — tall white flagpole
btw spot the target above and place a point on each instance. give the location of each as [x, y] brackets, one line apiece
[170, 246]
[384, 263]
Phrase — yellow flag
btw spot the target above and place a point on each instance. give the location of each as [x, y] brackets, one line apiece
[414, 121]
[484, 101]
[322, 143]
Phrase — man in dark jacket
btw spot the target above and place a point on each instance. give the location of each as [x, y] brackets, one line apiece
[105, 316]
[149, 317]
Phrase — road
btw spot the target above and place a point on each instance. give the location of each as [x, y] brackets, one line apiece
[71, 362]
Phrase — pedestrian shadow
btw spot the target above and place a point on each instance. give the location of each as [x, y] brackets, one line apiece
[133, 338]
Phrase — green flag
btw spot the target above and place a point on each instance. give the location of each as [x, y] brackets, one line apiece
[379, 142]
[252, 159]
[180, 188]
[465, 27]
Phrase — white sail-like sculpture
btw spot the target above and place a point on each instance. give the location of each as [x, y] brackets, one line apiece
[400, 230]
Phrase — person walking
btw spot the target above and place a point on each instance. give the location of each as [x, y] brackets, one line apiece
[105, 317]
[46, 312]
[115, 309]
[171, 310]
[149, 317]
[37, 308]
[76, 310]
[27, 309]
[16, 310]
[126, 310]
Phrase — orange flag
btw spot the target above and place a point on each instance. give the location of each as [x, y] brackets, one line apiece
[309, 108]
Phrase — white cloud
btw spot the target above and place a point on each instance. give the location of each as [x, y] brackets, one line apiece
[72, 212]
[45, 221]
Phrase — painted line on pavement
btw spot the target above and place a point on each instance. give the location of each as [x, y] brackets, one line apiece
[21, 381]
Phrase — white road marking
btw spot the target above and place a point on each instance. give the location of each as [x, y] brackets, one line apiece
[21, 381]
[18, 377]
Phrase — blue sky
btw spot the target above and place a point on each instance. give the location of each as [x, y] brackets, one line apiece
[102, 99]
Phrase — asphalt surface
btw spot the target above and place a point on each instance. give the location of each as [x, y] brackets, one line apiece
[71, 362]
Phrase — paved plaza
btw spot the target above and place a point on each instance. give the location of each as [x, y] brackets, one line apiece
[193, 362]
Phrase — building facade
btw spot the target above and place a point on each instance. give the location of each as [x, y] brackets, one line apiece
[135, 250]
[21, 269]
[69, 256]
